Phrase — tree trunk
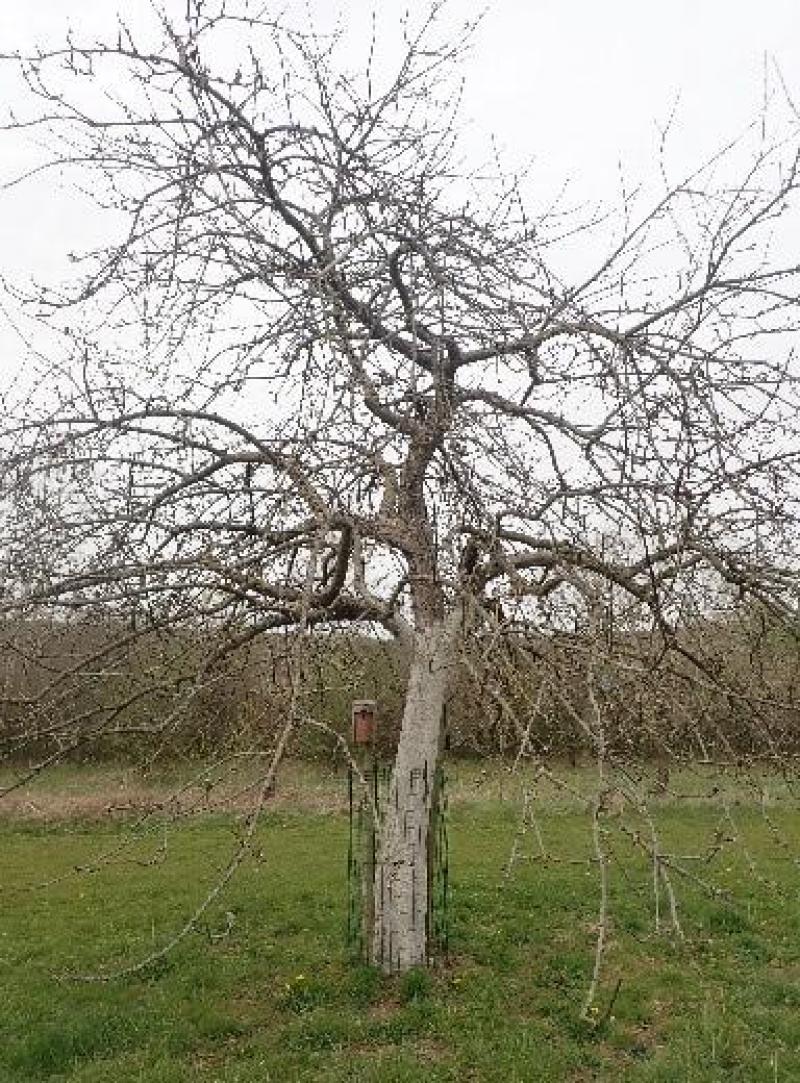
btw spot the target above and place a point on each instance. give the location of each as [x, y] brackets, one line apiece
[401, 934]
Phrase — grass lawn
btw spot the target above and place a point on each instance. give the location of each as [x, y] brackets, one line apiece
[276, 999]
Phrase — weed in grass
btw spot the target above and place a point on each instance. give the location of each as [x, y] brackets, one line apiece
[302, 993]
[415, 985]
[324, 1030]
[362, 985]
[60, 1046]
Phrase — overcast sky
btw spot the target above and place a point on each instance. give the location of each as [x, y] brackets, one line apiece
[580, 86]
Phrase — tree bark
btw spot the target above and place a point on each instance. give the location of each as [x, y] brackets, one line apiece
[401, 934]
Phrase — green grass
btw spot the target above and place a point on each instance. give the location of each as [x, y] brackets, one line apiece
[277, 1000]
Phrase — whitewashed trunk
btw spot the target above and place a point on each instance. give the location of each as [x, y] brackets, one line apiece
[401, 934]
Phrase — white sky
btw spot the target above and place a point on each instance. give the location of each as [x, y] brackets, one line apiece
[580, 85]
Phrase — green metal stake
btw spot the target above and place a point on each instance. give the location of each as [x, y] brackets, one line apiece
[364, 731]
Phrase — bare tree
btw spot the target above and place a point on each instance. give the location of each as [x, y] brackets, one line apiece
[327, 375]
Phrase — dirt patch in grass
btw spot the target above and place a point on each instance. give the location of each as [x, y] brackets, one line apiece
[431, 1050]
[53, 808]
[97, 794]
[384, 1010]
[49, 807]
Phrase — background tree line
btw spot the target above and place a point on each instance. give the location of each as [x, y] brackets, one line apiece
[87, 691]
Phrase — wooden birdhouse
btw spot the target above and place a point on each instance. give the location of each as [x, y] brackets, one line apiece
[365, 714]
